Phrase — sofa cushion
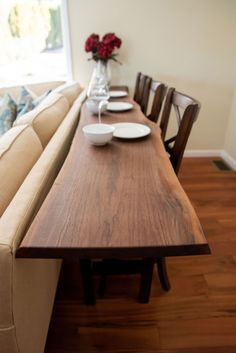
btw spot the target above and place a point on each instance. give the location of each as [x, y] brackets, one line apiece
[70, 90]
[20, 148]
[28, 286]
[8, 342]
[35, 187]
[7, 113]
[46, 117]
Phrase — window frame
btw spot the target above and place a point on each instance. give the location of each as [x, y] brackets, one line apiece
[67, 51]
[66, 37]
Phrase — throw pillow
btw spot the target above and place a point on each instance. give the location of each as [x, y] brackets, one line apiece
[28, 100]
[25, 98]
[8, 109]
[27, 108]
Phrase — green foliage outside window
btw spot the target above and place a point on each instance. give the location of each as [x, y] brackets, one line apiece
[54, 39]
[39, 20]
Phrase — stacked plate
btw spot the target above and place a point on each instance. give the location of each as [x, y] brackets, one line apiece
[119, 106]
[126, 130]
[130, 130]
[118, 94]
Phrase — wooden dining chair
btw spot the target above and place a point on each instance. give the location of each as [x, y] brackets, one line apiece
[158, 89]
[146, 92]
[186, 110]
[142, 90]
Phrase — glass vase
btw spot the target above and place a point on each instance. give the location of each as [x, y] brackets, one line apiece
[101, 77]
[98, 89]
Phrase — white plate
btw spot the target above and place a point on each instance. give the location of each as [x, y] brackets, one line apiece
[117, 94]
[119, 106]
[130, 130]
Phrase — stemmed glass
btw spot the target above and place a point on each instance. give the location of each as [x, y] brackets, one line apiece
[98, 93]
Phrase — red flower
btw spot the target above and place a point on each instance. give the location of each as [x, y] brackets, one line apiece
[91, 43]
[103, 49]
[111, 39]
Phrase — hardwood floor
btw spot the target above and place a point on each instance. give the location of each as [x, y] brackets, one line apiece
[197, 315]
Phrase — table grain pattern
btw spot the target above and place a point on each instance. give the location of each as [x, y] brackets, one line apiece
[122, 199]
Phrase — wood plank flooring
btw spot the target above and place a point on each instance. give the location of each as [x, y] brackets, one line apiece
[199, 312]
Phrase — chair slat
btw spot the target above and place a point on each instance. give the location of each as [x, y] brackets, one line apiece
[177, 113]
[136, 89]
[159, 90]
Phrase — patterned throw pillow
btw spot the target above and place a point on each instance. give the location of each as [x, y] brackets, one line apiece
[28, 100]
[25, 101]
[27, 108]
[8, 109]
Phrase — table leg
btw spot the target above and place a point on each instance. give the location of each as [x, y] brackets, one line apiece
[146, 280]
[87, 281]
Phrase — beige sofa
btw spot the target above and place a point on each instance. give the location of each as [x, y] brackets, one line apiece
[31, 155]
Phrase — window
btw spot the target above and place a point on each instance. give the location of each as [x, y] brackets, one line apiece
[32, 41]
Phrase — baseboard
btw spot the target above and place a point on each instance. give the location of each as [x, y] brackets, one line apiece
[202, 153]
[212, 153]
[228, 159]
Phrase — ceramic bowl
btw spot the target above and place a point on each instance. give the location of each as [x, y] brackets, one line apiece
[93, 105]
[98, 134]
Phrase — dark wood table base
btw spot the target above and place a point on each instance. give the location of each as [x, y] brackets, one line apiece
[87, 281]
[115, 267]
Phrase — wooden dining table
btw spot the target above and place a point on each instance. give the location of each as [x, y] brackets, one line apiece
[122, 200]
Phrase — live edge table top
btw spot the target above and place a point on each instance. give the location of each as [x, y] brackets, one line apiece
[119, 200]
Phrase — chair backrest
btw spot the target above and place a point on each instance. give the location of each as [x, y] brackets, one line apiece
[190, 107]
[136, 88]
[159, 90]
[142, 90]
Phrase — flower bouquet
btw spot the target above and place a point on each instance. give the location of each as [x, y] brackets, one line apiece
[103, 49]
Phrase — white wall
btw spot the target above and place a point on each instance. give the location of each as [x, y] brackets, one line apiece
[188, 44]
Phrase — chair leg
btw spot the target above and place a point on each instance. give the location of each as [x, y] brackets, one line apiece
[102, 285]
[162, 272]
[105, 264]
[87, 280]
[146, 280]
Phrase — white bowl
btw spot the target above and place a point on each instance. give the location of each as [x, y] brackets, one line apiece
[98, 134]
[93, 105]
